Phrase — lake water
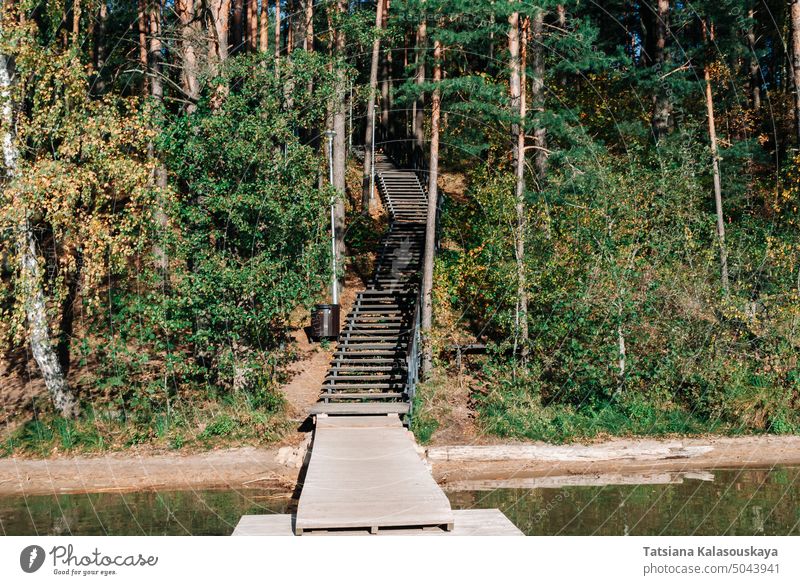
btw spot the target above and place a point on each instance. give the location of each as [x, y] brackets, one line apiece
[742, 502]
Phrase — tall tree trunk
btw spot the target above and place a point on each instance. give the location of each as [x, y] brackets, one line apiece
[386, 76]
[142, 21]
[661, 104]
[297, 19]
[219, 10]
[419, 103]
[263, 27]
[277, 30]
[191, 86]
[308, 25]
[290, 26]
[159, 171]
[66, 327]
[100, 46]
[782, 68]
[537, 92]
[252, 25]
[492, 21]
[30, 272]
[755, 68]
[237, 26]
[561, 22]
[430, 223]
[76, 20]
[712, 137]
[366, 195]
[795, 19]
[518, 110]
[340, 140]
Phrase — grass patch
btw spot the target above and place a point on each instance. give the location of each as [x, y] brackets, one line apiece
[515, 409]
[429, 408]
[231, 419]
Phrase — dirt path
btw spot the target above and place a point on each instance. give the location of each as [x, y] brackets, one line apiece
[454, 467]
[303, 389]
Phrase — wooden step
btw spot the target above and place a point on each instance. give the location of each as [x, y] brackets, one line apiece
[343, 385]
[360, 408]
[363, 396]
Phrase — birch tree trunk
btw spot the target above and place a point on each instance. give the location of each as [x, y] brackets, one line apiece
[518, 110]
[366, 196]
[795, 19]
[30, 272]
[712, 137]
[430, 223]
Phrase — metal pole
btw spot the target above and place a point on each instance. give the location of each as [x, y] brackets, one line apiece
[334, 284]
[372, 162]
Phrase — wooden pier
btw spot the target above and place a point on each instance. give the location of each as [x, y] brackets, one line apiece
[490, 522]
[365, 473]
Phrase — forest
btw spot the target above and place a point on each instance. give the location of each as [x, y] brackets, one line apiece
[615, 184]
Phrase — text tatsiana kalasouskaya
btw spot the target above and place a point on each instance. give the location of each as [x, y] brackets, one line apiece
[710, 551]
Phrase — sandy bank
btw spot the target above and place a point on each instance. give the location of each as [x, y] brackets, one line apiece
[542, 465]
[455, 467]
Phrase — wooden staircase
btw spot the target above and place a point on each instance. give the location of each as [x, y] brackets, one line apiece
[373, 369]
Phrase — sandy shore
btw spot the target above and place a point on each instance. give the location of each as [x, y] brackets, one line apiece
[454, 467]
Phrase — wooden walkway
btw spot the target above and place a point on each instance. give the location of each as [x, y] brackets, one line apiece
[370, 371]
[365, 474]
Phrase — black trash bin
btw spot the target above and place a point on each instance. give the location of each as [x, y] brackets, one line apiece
[325, 322]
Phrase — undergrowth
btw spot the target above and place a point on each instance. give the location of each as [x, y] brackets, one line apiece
[230, 420]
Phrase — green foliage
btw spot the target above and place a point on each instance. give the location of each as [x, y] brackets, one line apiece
[246, 241]
[424, 421]
[251, 227]
[625, 251]
[629, 329]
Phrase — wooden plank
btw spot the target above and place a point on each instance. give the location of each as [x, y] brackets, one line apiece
[366, 477]
[361, 408]
[490, 522]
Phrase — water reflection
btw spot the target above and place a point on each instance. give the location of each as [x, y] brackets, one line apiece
[141, 513]
[742, 502]
[736, 502]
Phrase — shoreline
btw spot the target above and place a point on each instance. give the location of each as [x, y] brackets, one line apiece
[456, 467]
